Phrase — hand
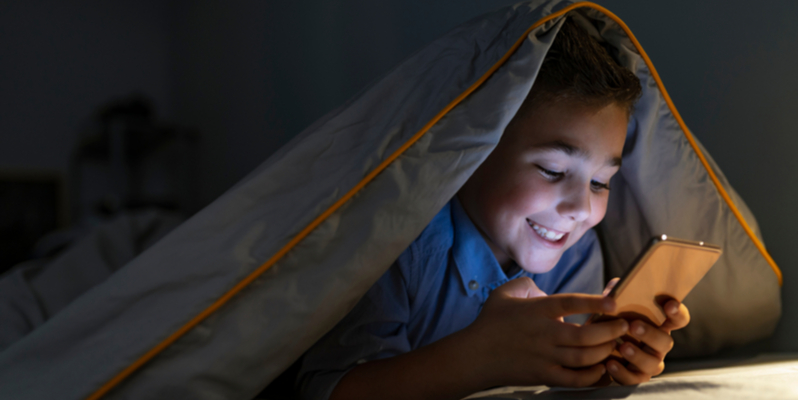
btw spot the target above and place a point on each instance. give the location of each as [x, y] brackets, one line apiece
[647, 359]
[520, 339]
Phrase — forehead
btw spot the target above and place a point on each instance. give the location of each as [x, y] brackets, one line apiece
[576, 131]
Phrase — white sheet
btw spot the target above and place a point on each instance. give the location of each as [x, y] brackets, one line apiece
[759, 378]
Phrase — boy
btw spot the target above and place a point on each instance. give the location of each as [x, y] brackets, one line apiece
[464, 307]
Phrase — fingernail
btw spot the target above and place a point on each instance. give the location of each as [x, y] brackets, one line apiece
[608, 305]
[612, 368]
[628, 351]
[639, 330]
[625, 326]
[673, 309]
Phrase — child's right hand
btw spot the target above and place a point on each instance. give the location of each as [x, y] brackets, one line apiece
[520, 337]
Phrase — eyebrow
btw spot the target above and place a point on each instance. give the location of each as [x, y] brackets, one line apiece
[570, 150]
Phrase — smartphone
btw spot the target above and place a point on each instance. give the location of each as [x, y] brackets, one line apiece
[666, 268]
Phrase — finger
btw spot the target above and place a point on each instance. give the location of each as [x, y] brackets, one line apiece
[578, 357]
[521, 288]
[610, 286]
[590, 335]
[657, 339]
[677, 316]
[577, 378]
[624, 376]
[559, 305]
[646, 363]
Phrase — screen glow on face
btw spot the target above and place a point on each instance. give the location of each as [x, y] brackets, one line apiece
[546, 183]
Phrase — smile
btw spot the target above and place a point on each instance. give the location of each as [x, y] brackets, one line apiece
[545, 233]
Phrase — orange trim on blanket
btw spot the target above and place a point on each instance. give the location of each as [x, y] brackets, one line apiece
[691, 140]
[322, 217]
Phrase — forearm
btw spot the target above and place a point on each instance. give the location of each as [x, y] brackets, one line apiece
[446, 369]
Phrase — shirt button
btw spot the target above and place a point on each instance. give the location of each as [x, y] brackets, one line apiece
[473, 285]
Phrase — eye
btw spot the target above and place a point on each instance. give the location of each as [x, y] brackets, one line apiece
[598, 186]
[550, 174]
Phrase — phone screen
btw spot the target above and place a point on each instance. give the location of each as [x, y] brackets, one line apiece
[666, 268]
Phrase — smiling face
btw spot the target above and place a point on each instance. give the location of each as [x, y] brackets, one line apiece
[546, 182]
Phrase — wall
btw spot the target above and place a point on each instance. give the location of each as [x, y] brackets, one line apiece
[59, 62]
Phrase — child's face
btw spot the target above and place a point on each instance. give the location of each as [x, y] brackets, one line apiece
[546, 182]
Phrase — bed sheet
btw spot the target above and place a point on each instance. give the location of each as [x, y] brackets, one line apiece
[772, 376]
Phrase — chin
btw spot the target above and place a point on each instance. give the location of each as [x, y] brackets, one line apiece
[539, 267]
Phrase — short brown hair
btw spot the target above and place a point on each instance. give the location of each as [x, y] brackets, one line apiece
[578, 69]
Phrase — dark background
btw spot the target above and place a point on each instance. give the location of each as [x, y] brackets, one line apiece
[247, 76]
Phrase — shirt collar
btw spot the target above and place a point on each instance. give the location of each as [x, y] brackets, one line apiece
[476, 264]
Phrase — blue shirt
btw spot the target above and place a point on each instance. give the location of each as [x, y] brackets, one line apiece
[436, 287]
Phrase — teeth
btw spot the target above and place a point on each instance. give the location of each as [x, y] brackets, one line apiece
[549, 235]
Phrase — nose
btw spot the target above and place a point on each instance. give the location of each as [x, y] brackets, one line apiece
[575, 202]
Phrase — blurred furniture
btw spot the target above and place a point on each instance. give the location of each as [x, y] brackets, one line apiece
[127, 159]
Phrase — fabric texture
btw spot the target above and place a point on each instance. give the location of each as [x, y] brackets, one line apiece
[435, 288]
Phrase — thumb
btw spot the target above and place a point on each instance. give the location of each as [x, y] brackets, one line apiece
[521, 288]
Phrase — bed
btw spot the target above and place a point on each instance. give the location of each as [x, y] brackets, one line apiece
[766, 376]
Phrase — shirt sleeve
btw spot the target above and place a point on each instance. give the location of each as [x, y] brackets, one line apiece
[376, 328]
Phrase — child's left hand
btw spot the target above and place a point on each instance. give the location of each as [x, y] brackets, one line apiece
[647, 359]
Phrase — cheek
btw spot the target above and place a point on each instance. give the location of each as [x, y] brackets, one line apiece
[531, 193]
[599, 206]
[530, 198]
[510, 193]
